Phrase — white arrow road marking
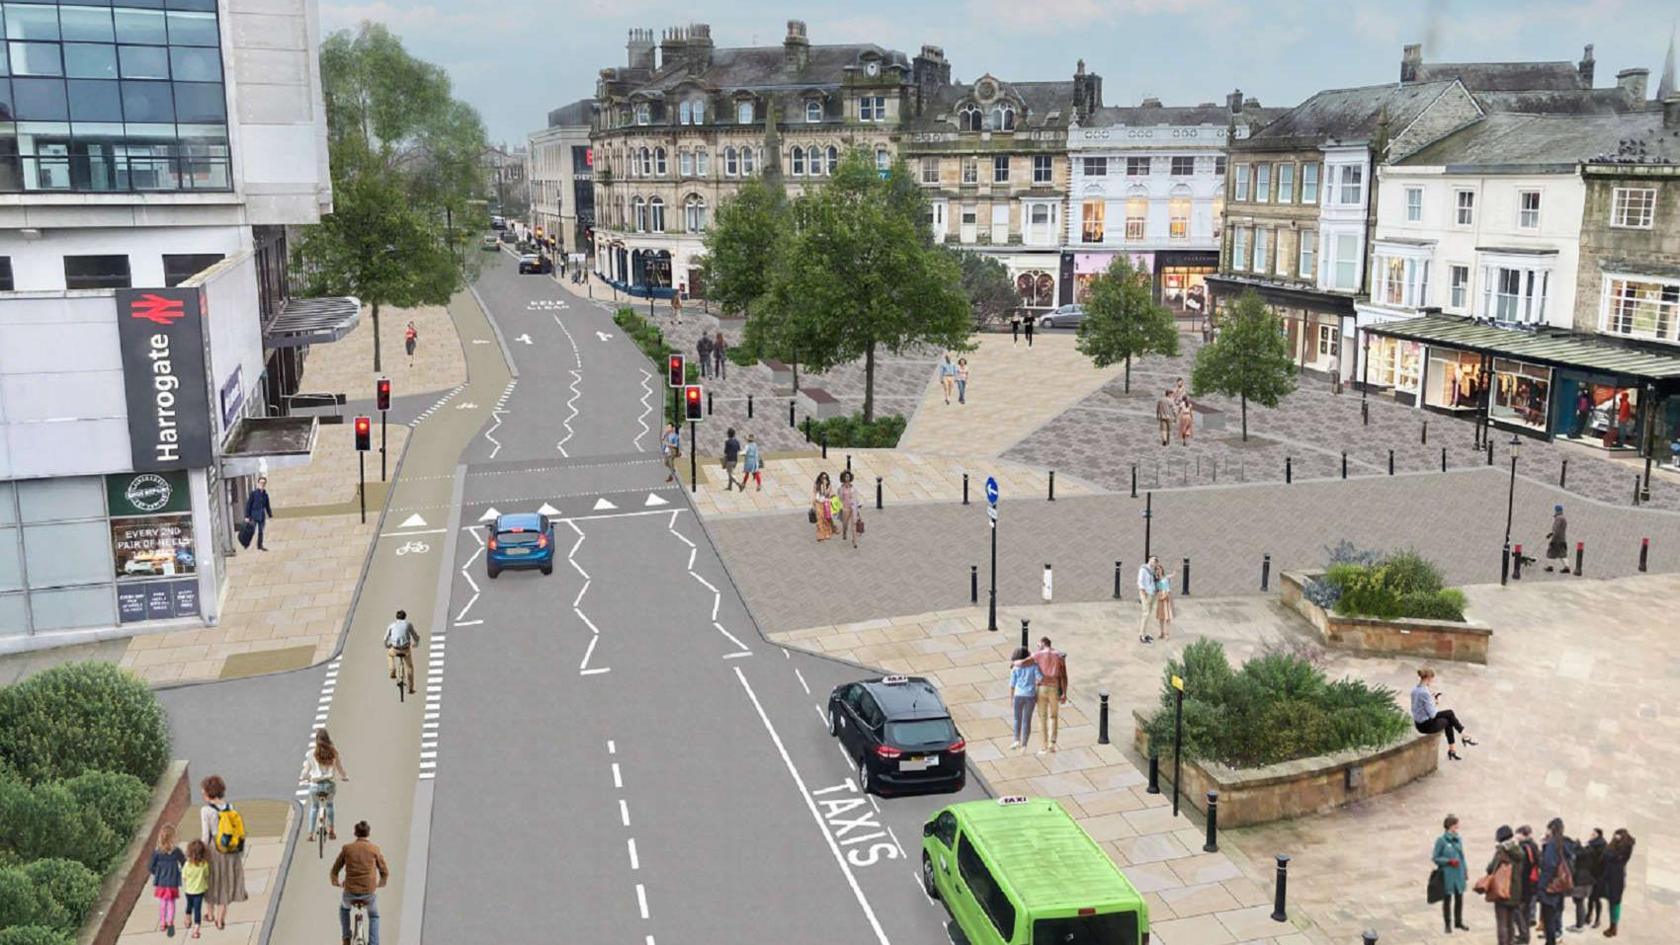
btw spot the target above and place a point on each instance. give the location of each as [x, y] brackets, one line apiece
[413, 521]
[603, 335]
[601, 504]
[525, 338]
[548, 510]
[490, 515]
[655, 500]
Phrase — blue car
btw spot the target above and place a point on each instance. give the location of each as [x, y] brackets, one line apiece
[525, 540]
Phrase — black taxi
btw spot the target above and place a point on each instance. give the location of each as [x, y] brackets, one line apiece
[900, 733]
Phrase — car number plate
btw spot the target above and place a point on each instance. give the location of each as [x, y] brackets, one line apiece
[519, 551]
[918, 763]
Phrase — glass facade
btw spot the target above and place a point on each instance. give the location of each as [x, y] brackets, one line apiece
[97, 97]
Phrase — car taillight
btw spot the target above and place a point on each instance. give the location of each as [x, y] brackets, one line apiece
[958, 746]
[888, 752]
[492, 543]
[542, 541]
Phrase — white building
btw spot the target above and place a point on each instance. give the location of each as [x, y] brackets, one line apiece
[561, 174]
[120, 482]
[1149, 181]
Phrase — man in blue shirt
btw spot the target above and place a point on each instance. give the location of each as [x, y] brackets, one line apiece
[258, 509]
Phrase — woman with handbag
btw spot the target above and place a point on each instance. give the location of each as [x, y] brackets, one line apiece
[1616, 858]
[1449, 863]
[1503, 886]
[822, 513]
[1557, 878]
[848, 508]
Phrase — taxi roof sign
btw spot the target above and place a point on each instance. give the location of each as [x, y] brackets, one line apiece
[894, 680]
[1012, 800]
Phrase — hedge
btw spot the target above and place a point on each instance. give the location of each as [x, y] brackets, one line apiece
[55, 893]
[89, 818]
[35, 935]
[81, 717]
[1277, 707]
[852, 431]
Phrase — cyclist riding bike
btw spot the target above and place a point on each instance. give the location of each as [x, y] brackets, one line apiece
[322, 770]
[400, 640]
[365, 872]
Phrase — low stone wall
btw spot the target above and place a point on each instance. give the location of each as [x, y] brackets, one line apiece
[1297, 788]
[128, 878]
[1430, 639]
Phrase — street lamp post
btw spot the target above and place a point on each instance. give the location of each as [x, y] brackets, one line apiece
[1510, 508]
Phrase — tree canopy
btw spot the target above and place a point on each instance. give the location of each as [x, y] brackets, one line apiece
[1248, 357]
[406, 178]
[1122, 319]
[985, 281]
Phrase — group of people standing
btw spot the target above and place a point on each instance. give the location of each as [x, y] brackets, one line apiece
[831, 508]
[714, 355]
[1523, 874]
[1174, 411]
[1155, 599]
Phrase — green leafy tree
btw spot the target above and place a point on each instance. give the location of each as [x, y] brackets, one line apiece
[857, 274]
[406, 178]
[990, 294]
[1122, 320]
[1248, 359]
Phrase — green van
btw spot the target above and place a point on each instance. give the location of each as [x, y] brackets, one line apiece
[1020, 871]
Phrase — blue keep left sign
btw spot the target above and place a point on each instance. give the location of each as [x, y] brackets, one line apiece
[991, 490]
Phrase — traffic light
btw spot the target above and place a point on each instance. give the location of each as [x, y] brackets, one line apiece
[691, 402]
[676, 371]
[364, 434]
[382, 393]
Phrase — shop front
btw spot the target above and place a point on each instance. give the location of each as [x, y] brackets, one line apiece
[1521, 394]
[1396, 365]
[1088, 266]
[1598, 410]
[1454, 380]
[1181, 281]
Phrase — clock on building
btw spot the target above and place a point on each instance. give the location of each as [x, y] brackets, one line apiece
[871, 67]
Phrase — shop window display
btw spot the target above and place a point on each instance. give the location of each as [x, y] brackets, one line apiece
[1456, 380]
[1521, 393]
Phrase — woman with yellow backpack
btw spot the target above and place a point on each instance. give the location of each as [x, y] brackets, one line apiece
[223, 831]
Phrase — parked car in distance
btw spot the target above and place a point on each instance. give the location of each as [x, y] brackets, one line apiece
[490, 243]
[1064, 316]
[531, 262]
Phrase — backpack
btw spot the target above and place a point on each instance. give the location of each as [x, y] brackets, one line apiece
[1531, 853]
[230, 831]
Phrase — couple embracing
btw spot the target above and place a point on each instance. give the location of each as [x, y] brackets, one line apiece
[1154, 598]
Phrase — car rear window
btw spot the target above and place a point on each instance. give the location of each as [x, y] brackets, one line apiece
[517, 538]
[1114, 928]
[921, 732]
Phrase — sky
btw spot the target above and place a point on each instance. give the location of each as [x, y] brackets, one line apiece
[515, 59]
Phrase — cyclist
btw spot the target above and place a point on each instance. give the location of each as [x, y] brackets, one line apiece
[365, 872]
[322, 770]
[400, 640]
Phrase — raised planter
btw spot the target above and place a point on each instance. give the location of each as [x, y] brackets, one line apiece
[1430, 639]
[819, 403]
[1208, 420]
[127, 879]
[1301, 787]
[781, 375]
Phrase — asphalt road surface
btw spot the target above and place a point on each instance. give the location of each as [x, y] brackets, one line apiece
[611, 753]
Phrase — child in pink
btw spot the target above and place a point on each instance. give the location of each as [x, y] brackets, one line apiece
[166, 877]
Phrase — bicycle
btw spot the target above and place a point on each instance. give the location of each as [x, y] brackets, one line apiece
[360, 922]
[320, 798]
[405, 675]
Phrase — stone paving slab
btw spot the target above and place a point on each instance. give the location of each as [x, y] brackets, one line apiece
[1563, 729]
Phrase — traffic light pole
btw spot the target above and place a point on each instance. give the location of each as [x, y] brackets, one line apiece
[361, 490]
[381, 446]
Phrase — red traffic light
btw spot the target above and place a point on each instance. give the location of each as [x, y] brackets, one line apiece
[676, 371]
[691, 401]
[364, 434]
[382, 393]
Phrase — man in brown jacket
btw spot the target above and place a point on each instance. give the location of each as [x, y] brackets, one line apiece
[364, 872]
[1165, 413]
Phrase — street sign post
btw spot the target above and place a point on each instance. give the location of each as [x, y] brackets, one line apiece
[1178, 735]
[991, 513]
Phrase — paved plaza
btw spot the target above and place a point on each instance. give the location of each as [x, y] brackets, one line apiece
[1563, 731]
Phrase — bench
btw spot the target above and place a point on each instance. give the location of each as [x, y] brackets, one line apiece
[819, 403]
[781, 375]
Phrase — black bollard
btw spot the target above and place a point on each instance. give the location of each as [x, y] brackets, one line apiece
[974, 584]
[848, 458]
[1426, 432]
[1563, 473]
[1516, 562]
[965, 488]
[749, 406]
[1102, 717]
[1636, 490]
[1279, 913]
[1134, 480]
[1212, 844]
[1364, 413]
[1116, 580]
[1443, 459]
[1644, 551]
[1369, 936]
[1052, 485]
[708, 403]
[877, 492]
[1504, 563]
[791, 421]
[1265, 572]
[1490, 451]
[1154, 774]
[1344, 464]
[1580, 552]
[1391, 462]
[1186, 589]
[807, 429]
[1288, 469]
[825, 444]
[1024, 644]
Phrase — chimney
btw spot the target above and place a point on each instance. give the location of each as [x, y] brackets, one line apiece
[1234, 101]
[673, 46]
[1632, 82]
[1671, 113]
[699, 47]
[1411, 56]
[1150, 102]
[796, 48]
[930, 69]
[1585, 67]
[1250, 103]
[640, 49]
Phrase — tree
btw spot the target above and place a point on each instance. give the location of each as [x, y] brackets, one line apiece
[857, 274]
[986, 283]
[1248, 358]
[405, 170]
[1122, 320]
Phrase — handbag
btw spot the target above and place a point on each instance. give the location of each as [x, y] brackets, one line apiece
[811, 516]
[247, 529]
[1496, 886]
[860, 524]
[1437, 889]
[1563, 881]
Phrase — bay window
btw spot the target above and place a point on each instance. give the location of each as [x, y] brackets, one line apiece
[1641, 307]
[1402, 280]
[1351, 190]
[1344, 262]
[1514, 294]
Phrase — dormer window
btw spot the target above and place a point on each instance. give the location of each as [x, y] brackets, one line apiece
[685, 114]
[644, 113]
[968, 118]
[699, 109]
[813, 111]
[743, 113]
[1003, 118]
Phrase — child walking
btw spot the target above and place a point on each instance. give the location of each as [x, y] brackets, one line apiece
[195, 882]
[166, 877]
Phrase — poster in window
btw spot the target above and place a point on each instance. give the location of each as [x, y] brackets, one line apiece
[152, 546]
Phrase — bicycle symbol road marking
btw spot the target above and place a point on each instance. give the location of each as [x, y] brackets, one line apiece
[418, 547]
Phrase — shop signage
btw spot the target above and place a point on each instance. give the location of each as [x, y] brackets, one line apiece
[157, 600]
[161, 332]
[233, 396]
[131, 494]
[148, 546]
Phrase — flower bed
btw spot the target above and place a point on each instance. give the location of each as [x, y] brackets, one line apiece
[1462, 640]
[1403, 584]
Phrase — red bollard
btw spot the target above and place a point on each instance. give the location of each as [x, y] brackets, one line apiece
[1580, 551]
[1516, 564]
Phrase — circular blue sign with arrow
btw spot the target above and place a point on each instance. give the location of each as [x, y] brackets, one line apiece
[991, 490]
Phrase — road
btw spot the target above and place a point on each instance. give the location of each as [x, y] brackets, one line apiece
[611, 753]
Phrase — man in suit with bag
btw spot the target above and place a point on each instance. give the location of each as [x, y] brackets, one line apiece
[258, 509]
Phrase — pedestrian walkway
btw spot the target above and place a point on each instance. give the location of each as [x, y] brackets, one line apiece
[1012, 390]
[1564, 729]
[346, 365]
[267, 824]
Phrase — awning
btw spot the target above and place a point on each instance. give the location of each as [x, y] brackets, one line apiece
[1550, 346]
[260, 444]
[312, 321]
